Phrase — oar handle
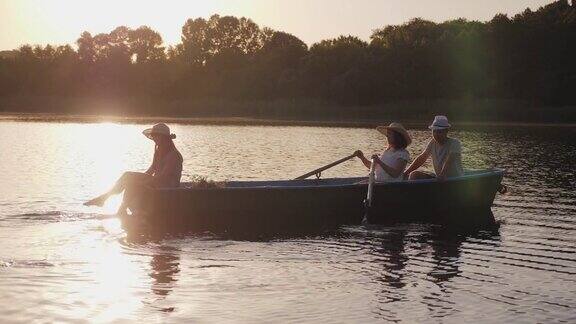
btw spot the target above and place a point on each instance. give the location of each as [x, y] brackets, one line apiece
[326, 167]
[370, 193]
[371, 180]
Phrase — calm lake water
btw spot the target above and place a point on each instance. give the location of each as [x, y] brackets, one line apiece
[60, 261]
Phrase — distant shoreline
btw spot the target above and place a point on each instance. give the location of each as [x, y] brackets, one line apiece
[250, 121]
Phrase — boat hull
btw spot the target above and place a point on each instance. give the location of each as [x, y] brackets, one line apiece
[296, 204]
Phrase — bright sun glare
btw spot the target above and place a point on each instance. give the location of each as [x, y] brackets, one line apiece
[109, 153]
[63, 16]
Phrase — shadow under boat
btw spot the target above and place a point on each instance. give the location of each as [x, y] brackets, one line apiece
[299, 205]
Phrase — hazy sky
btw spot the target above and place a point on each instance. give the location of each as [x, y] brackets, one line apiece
[62, 21]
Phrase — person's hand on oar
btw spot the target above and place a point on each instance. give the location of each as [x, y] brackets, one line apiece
[362, 158]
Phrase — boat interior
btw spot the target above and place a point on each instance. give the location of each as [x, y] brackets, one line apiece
[335, 181]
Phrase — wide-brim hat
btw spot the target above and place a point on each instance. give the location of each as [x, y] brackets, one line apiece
[158, 129]
[440, 123]
[397, 127]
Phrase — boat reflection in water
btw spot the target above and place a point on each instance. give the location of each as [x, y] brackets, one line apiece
[165, 268]
[429, 255]
[410, 261]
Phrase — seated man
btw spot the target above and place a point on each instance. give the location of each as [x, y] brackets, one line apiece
[446, 154]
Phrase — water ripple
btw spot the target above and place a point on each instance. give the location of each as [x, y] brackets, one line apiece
[61, 262]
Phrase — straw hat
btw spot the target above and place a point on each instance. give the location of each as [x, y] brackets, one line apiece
[158, 129]
[440, 123]
[397, 127]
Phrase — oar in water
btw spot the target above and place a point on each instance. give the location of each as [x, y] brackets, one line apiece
[326, 167]
[370, 193]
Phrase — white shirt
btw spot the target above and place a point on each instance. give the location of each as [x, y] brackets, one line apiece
[440, 153]
[392, 158]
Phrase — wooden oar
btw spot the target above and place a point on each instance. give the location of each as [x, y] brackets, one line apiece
[370, 193]
[326, 167]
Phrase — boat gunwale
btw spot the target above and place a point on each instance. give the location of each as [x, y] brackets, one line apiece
[484, 173]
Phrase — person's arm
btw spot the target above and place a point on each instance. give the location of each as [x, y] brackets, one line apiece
[362, 158]
[171, 164]
[394, 172]
[150, 170]
[418, 162]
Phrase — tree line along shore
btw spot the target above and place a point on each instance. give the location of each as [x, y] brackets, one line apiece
[509, 69]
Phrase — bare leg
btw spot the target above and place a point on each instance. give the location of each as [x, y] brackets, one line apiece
[419, 175]
[131, 200]
[128, 179]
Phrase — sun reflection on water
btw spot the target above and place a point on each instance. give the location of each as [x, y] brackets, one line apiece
[113, 278]
[112, 226]
[112, 205]
[106, 150]
[106, 283]
[106, 279]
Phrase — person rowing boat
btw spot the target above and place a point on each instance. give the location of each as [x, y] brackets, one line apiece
[392, 162]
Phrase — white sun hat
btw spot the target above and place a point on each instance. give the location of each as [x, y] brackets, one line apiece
[158, 129]
[439, 123]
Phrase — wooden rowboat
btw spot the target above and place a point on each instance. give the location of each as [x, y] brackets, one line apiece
[294, 204]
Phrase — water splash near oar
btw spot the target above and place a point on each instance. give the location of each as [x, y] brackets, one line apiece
[369, 194]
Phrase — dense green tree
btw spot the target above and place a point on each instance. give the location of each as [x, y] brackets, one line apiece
[86, 48]
[228, 37]
[146, 45]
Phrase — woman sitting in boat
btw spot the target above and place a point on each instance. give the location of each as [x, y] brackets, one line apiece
[390, 164]
[165, 171]
[446, 153]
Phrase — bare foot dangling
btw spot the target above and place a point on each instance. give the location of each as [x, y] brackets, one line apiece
[98, 201]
